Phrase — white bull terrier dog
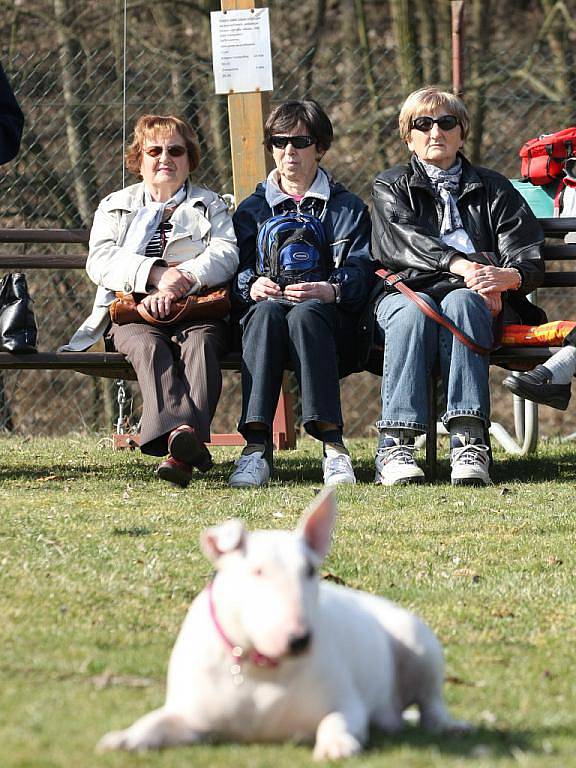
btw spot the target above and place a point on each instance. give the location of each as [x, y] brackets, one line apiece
[268, 652]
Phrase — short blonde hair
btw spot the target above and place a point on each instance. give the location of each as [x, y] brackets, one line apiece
[429, 99]
[161, 125]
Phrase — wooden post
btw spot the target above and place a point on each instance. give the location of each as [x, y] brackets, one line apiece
[250, 164]
[457, 8]
[247, 114]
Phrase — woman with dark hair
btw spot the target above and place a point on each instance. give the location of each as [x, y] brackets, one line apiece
[298, 318]
[464, 239]
[166, 238]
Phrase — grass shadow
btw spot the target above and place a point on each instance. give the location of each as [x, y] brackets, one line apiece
[298, 467]
[481, 742]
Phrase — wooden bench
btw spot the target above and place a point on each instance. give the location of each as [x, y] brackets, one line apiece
[107, 364]
[557, 255]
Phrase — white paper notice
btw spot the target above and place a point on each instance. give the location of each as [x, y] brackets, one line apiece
[241, 53]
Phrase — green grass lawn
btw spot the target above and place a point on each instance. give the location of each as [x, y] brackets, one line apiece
[99, 561]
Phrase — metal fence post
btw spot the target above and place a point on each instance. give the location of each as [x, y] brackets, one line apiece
[457, 10]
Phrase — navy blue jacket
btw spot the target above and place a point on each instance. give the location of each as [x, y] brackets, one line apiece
[347, 227]
[11, 121]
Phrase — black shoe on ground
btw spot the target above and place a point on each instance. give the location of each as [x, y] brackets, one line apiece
[535, 385]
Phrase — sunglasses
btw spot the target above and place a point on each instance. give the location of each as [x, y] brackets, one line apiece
[175, 150]
[298, 142]
[445, 123]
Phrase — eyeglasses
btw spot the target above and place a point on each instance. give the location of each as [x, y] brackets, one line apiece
[175, 150]
[298, 142]
[425, 123]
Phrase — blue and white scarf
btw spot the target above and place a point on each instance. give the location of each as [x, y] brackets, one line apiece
[446, 184]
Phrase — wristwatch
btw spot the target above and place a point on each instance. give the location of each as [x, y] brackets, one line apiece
[337, 292]
[193, 279]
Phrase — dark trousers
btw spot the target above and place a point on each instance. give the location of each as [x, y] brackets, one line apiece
[178, 371]
[276, 336]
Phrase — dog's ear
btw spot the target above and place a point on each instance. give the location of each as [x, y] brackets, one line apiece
[317, 522]
[221, 539]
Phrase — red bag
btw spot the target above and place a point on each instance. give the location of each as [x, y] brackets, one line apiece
[542, 158]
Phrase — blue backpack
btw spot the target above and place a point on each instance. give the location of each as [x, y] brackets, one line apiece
[292, 248]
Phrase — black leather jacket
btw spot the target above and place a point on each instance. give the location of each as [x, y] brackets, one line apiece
[406, 221]
[11, 121]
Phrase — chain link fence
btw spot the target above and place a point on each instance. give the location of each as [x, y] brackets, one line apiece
[72, 156]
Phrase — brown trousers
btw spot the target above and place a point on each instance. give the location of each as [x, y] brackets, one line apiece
[178, 371]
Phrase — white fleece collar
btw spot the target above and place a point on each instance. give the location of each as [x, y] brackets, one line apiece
[320, 188]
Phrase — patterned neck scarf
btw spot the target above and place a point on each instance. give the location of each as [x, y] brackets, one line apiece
[446, 184]
[147, 220]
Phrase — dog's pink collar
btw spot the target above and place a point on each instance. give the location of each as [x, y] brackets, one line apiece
[259, 659]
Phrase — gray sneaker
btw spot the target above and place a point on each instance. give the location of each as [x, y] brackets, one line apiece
[395, 464]
[251, 471]
[337, 468]
[470, 461]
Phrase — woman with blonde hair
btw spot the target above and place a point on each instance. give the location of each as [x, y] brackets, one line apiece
[464, 239]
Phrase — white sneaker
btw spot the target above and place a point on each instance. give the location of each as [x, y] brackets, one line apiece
[470, 462]
[337, 468]
[252, 471]
[395, 465]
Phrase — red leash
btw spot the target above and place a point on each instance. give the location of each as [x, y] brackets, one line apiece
[396, 281]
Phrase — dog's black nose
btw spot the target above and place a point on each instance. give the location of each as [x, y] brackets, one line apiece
[299, 644]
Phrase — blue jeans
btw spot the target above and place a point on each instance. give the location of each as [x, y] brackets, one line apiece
[276, 336]
[413, 342]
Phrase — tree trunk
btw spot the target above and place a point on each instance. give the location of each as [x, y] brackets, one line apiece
[442, 11]
[407, 54]
[377, 124]
[76, 114]
[427, 34]
[187, 99]
[315, 39]
[479, 51]
[557, 22]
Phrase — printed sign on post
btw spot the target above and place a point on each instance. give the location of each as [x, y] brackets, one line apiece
[241, 53]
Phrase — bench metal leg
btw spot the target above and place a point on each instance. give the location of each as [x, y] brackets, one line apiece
[526, 428]
[432, 433]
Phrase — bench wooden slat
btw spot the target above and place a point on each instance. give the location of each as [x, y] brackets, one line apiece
[557, 252]
[516, 356]
[44, 235]
[43, 261]
[114, 365]
[107, 364]
[558, 227]
[559, 280]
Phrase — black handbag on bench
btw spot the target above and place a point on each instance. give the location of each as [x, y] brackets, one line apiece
[18, 331]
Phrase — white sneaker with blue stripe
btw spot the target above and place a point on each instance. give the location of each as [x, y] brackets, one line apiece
[395, 463]
[470, 461]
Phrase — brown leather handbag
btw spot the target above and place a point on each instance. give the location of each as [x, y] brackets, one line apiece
[209, 304]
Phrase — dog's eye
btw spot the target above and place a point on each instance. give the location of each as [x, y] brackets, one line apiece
[310, 571]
